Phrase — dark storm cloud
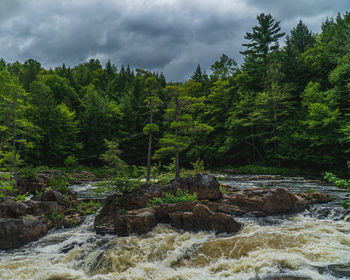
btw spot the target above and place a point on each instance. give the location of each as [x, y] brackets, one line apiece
[172, 36]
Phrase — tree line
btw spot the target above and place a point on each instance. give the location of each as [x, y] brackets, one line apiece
[286, 105]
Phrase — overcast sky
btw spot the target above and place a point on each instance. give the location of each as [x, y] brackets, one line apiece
[169, 36]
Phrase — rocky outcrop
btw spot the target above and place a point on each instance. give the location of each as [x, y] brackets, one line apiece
[213, 212]
[191, 216]
[260, 202]
[205, 185]
[22, 222]
[17, 232]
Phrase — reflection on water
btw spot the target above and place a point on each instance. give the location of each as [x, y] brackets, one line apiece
[301, 245]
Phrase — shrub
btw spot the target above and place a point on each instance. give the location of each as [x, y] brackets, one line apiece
[59, 183]
[28, 173]
[70, 162]
[6, 184]
[181, 196]
[340, 183]
[117, 186]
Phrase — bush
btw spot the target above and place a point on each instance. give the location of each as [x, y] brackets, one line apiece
[59, 183]
[181, 196]
[89, 208]
[28, 173]
[340, 183]
[6, 184]
[117, 186]
[70, 162]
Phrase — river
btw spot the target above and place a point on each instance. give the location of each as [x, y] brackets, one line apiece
[313, 244]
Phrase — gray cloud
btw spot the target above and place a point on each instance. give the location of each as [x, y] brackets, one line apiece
[172, 36]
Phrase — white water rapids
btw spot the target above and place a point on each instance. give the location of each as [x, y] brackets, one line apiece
[314, 245]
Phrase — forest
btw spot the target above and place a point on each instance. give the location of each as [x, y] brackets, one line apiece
[287, 105]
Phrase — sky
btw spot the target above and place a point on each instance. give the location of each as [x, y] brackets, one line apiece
[169, 36]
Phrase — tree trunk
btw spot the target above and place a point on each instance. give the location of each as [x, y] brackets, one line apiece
[149, 154]
[149, 157]
[177, 163]
[14, 140]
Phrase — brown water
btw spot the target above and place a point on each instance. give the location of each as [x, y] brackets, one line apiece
[301, 245]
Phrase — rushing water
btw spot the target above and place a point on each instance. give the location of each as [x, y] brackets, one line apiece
[314, 244]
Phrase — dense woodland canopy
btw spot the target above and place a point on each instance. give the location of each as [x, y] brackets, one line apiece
[288, 104]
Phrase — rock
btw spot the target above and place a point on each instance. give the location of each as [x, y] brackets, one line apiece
[279, 201]
[285, 277]
[139, 223]
[139, 198]
[12, 209]
[260, 202]
[201, 214]
[52, 195]
[205, 185]
[17, 232]
[190, 216]
[80, 177]
[221, 223]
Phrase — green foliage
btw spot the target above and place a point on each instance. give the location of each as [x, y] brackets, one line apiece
[117, 186]
[282, 107]
[112, 157]
[224, 189]
[70, 162]
[340, 183]
[266, 170]
[198, 165]
[88, 208]
[21, 197]
[55, 216]
[6, 184]
[59, 183]
[28, 173]
[181, 196]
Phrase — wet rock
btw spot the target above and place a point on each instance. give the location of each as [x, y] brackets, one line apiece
[222, 223]
[191, 216]
[52, 195]
[205, 185]
[9, 208]
[336, 270]
[134, 223]
[315, 197]
[201, 214]
[279, 201]
[286, 277]
[139, 198]
[17, 232]
[258, 202]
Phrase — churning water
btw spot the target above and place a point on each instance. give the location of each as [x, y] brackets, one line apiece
[314, 245]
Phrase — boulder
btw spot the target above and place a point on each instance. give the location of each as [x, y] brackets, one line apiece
[221, 223]
[134, 223]
[259, 202]
[205, 185]
[201, 215]
[17, 232]
[9, 208]
[51, 195]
